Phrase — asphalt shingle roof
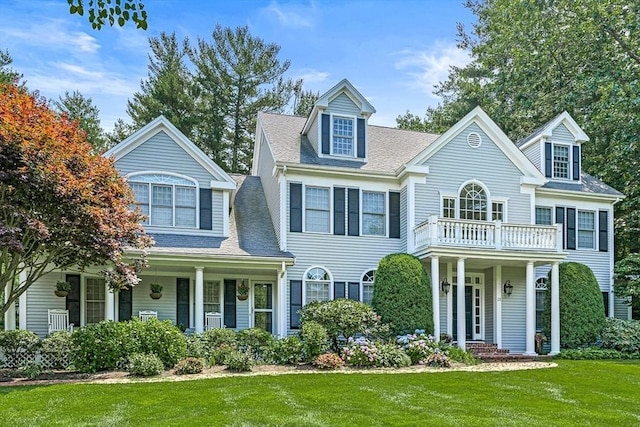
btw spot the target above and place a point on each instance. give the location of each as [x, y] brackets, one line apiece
[388, 148]
[251, 231]
[587, 184]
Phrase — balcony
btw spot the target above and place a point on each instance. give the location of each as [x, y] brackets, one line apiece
[487, 235]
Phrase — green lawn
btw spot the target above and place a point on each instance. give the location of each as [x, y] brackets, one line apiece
[577, 393]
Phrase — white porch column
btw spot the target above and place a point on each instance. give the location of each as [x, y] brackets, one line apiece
[282, 302]
[10, 315]
[450, 300]
[435, 290]
[555, 308]
[498, 305]
[461, 329]
[109, 304]
[23, 302]
[530, 303]
[199, 309]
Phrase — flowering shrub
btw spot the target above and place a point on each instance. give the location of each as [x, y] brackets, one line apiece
[254, 340]
[218, 355]
[328, 361]
[239, 361]
[145, 365]
[314, 339]
[621, 335]
[285, 351]
[362, 352]
[190, 365]
[437, 359]
[58, 348]
[418, 346]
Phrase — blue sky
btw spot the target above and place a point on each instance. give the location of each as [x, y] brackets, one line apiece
[392, 51]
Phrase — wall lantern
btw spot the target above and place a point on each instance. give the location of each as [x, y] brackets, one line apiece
[445, 286]
[508, 288]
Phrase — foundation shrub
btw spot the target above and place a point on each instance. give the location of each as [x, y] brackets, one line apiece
[595, 353]
[101, 346]
[145, 365]
[328, 361]
[621, 335]
[157, 337]
[189, 365]
[239, 361]
[315, 339]
[218, 355]
[214, 338]
[255, 341]
[285, 351]
[361, 352]
[58, 347]
[402, 295]
[19, 341]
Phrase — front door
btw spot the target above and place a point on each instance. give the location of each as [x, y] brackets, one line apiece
[473, 306]
[263, 306]
[468, 293]
[182, 300]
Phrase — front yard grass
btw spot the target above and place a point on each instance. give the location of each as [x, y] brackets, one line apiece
[580, 393]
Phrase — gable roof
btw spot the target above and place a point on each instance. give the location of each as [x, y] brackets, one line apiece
[344, 86]
[159, 124]
[546, 129]
[502, 141]
[387, 148]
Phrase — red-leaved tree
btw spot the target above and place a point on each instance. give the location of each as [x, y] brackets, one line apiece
[60, 205]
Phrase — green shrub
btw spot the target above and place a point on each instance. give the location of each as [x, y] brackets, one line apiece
[285, 351]
[157, 337]
[459, 355]
[190, 365]
[239, 361]
[254, 340]
[214, 338]
[328, 361]
[621, 335]
[218, 355]
[145, 365]
[438, 360]
[341, 317]
[362, 352]
[402, 295]
[30, 370]
[101, 346]
[391, 356]
[581, 309]
[195, 347]
[18, 341]
[58, 348]
[595, 353]
[314, 339]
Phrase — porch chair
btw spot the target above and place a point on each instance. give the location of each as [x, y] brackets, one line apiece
[59, 320]
[147, 314]
[212, 320]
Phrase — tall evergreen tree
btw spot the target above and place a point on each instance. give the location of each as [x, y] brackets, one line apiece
[8, 75]
[240, 75]
[77, 107]
[168, 88]
[534, 59]
[303, 102]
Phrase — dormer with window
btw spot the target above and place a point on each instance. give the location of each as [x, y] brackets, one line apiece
[555, 148]
[337, 125]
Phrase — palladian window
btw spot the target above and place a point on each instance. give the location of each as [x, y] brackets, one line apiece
[473, 202]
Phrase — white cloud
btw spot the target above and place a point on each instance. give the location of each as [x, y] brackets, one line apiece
[311, 76]
[430, 66]
[291, 16]
[53, 35]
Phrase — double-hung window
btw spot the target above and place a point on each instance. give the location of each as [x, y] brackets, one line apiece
[543, 215]
[586, 230]
[373, 213]
[497, 211]
[560, 161]
[165, 200]
[212, 301]
[317, 209]
[449, 207]
[342, 136]
[94, 301]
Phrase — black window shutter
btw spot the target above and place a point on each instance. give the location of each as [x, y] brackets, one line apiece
[362, 150]
[230, 303]
[72, 302]
[394, 215]
[576, 163]
[354, 291]
[338, 290]
[603, 231]
[206, 221]
[354, 212]
[338, 211]
[571, 228]
[547, 160]
[560, 220]
[295, 303]
[605, 300]
[295, 207]
[326, 132]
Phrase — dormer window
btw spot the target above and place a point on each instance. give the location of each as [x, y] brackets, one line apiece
[560, 161]
[342, 142]
[166, 200]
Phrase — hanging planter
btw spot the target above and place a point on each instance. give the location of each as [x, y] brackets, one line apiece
[62, 288]
[156, 291]
[242, 290]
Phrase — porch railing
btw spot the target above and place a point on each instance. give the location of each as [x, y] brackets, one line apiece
[485, 234]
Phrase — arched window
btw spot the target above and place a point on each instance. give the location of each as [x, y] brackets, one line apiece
[473, 202]
[368, 280]
[167, 200]
[317, 285]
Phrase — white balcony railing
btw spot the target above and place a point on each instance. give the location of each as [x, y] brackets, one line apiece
[484, 234]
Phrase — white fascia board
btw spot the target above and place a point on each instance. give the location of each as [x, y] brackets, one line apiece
[605, 198]
[332, 170]
[420, 171]
[533, 181]
[222, 185]
[542, 136]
